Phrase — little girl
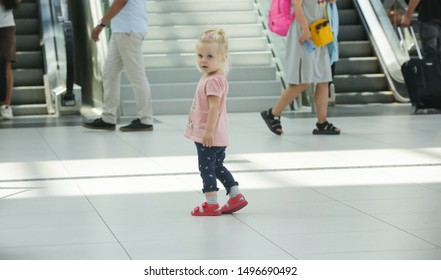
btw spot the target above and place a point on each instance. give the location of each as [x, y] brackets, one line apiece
[208, 125]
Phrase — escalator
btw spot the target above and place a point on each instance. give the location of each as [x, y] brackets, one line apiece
[41, 68]
[29, 97]
[371, 54]
[392, 52]
[359, 74]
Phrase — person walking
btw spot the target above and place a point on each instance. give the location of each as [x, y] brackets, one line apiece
[208, 124]
[429, 17]
[128, 20]
[8, 53]
[304, 68]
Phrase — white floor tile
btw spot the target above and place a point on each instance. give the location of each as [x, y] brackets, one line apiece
[97, 251]
[409, 221]
[344, 242]
[430, 254]
[430, 235]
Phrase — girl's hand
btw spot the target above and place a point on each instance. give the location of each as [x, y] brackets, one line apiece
[213, 114]
[207, 139]
[305, 36]
[300, 15]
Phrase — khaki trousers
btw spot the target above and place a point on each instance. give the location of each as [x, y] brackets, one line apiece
[125, 52]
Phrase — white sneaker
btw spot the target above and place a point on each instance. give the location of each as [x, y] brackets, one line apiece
[7, 112]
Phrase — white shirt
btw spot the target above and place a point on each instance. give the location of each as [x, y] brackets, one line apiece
[6, 17]
[131, 19]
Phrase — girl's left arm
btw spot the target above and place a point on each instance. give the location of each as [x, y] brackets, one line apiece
[213, 114]
[301, 19]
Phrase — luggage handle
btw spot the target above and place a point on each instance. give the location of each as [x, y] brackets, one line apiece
[400, 33]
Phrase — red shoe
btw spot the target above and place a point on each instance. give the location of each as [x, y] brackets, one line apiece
[208, 210]
[234, 204]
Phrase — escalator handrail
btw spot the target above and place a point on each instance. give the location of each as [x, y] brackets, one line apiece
[63, 19]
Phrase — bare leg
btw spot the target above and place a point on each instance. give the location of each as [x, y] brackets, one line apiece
[321, 101]
[288, 95]
[9, 83]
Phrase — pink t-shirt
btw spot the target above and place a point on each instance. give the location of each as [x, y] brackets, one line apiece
[216, 85]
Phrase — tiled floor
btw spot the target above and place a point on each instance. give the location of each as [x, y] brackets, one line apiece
[373, 192]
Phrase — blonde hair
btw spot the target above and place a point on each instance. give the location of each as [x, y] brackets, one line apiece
[218, 38]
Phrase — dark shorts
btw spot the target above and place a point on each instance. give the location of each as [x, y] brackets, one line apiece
[8, 43]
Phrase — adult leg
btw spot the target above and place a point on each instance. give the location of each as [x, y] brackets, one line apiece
[9, 83]
[288, 95]
[6, 110]
[429, 34]
[331, 86]
[321, 103]
[132, 56]
[112, 81]
[8, 50]
[272, 116]
[439, 41]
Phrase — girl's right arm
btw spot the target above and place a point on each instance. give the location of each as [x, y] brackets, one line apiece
[303, 22]
[213, 114]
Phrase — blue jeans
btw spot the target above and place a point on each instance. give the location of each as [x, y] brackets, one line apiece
[211, 167]
[430, 35]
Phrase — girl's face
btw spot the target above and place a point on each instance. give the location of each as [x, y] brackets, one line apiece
[209, 60]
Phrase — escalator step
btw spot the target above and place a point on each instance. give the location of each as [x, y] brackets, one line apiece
[27, 26]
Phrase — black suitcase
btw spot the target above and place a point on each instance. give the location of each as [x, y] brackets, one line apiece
[2, 78]
[423, 80]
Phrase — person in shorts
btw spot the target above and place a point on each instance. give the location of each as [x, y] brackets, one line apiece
[8, 53]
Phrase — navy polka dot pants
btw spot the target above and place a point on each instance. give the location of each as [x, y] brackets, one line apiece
[211, 167]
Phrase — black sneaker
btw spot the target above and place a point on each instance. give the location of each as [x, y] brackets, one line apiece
[136, 125]
[99, 124]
